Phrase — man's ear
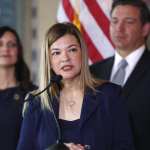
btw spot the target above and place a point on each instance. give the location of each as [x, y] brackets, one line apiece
[146, 29]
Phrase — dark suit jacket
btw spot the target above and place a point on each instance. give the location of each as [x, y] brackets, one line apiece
[103, 122]
[137, 94]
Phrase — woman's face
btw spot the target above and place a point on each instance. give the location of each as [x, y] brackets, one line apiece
[8, 50]
[65, 57]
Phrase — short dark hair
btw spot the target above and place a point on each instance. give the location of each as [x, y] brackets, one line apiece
[22, 72]
[144, 10]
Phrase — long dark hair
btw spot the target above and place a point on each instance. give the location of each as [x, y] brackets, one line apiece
[22, 72]
[144, 10]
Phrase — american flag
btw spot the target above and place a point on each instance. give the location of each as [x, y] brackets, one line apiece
[92, 18]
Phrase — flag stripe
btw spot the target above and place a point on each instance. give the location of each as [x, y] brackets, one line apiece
[98, 14]
[68, 9]
[94, 55]
[61, 14]
[105, 5]
[95, 33]
[92, 17]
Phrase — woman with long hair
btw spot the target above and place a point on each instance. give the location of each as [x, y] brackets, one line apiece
[80, 111]
[14, 84]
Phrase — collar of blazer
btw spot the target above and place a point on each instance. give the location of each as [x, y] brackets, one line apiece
[90, 103]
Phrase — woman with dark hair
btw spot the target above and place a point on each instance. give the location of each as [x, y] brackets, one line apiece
[14, 84]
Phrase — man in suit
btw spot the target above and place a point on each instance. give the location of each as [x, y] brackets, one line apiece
[129, 29]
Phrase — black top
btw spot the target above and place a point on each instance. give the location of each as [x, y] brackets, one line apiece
[11, 102]
[70, 131]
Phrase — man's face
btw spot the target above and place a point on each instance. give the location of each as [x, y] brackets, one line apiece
[126, 29]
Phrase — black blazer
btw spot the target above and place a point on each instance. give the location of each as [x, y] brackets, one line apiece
[137, 94]
[103, 122]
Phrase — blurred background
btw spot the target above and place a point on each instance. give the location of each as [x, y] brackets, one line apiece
[32, 18]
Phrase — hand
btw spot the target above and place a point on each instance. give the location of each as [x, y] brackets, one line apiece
[73, 146]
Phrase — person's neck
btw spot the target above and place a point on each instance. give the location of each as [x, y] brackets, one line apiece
[7, 78]
[72, 84]
[125, 52]
[72, 88]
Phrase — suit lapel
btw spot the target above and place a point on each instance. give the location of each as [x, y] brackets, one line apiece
[90, 104]
[108, 68]
[140, 70]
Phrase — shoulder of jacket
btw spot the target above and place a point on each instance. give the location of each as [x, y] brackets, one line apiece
[31, 103]
[109, 88]
[105, 61]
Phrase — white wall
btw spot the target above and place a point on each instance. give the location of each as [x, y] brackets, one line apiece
[46, 16]
[47, 10]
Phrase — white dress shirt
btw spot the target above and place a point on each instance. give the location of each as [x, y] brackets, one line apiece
[132, 59]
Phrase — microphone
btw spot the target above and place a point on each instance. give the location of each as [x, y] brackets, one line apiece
[55, 79]
[59, 145]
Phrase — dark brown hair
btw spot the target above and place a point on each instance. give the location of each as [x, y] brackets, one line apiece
[141, 5]
[22, 72]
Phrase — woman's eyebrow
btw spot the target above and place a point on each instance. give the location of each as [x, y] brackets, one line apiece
[66, 47]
